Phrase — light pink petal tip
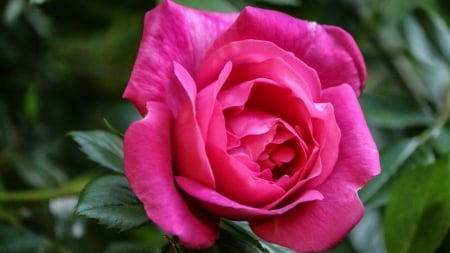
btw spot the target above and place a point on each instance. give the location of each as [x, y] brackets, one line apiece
[148, 167]
[329, 50]
[171, 33]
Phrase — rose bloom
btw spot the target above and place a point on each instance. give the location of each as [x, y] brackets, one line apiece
[249, 116]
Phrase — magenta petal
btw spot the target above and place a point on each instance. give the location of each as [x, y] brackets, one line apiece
[320, 225]
[230, 209]
[230, 173]
[329, 50]
[358, 159]
[206, 103]
[148, 167]
[327, 135]
[317, 225]
[188, 145]
[171, 33]
[252, 58]
[189, 149]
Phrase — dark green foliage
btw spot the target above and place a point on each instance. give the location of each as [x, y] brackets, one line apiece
[418, 214]
[110, 200]
[101, 147]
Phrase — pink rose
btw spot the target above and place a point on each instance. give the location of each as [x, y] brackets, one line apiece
[250, 116]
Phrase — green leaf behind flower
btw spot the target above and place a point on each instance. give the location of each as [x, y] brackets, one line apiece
[210, 5]
[101, 147]
[233, 237]
[393, 112]
[18, 240]
[418, 214]
[392, 158]
[110, 200]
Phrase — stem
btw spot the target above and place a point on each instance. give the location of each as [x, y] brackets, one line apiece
[73, 187]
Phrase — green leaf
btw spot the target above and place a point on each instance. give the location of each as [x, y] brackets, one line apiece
[227, 242]
[417, 41]
[31, 104]
[431, 67]
[442, 33]
[392, 11]
[129, 247]
[101, 147]
[281, 2]
[18, 240]
[418, 214]
[233, 237]
[110, 200]
[393, 112]
[392, 158]
[37, 170]
[210, 5]
[243, 231]
[343, 247]
[367, 236]
[6, 128]
[442, 141]
[13, 9]
[445, 246]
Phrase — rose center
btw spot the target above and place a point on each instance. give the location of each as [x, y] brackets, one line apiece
[275, 158]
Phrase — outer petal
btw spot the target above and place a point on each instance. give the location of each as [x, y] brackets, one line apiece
[331, 51]
[251, 59]
[317, 225]
[358, 159]
[148, 167]
[171, 33]
[189, 148]
[230, 209]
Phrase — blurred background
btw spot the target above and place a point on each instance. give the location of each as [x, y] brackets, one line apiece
[64, 65]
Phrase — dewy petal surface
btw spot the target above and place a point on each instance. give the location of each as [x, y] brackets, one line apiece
[148, 167]
[329, 50]
[171, 33]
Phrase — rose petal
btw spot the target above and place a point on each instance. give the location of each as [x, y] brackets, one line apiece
[148, 167]
[327, 136]
[172, 32]
[189, 147]
[209, 112]
[230, 209]
[320, 225]
[329, 50]
[317, 225]
[251, 122]
[252, 58]
[358, 158]
[283, 154]
[229, 173]
[237, 95]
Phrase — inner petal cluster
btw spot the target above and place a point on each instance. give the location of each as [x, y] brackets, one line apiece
[274, 148]
[262, 131]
